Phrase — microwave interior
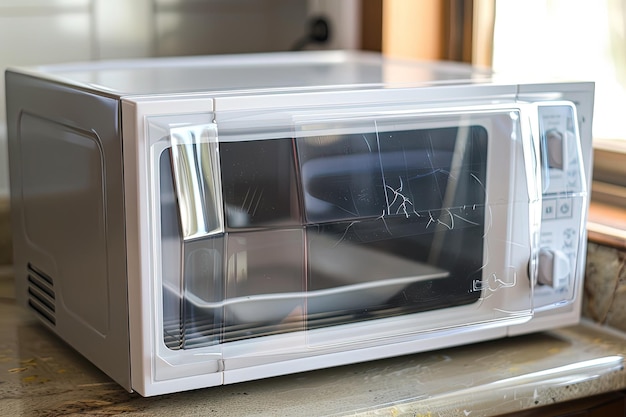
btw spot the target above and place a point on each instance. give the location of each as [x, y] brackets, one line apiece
[322, 231]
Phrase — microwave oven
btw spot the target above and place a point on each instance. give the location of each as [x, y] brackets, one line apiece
[192, 222]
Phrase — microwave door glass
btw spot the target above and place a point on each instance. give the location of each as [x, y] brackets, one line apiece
[328, 230]
[401, 210]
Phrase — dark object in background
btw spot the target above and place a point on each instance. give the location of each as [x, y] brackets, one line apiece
[319, 32]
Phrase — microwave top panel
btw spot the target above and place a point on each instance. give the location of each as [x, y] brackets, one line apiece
[309, 71]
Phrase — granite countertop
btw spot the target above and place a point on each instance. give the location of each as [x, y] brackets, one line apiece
[42, 376]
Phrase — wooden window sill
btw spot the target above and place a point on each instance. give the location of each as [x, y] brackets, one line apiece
[606, 225]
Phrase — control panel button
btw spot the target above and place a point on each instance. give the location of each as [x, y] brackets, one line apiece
[554, 142]
[564, 208]
[549, 210]
[554, 268]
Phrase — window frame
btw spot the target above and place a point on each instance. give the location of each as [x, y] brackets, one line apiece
[609, 172]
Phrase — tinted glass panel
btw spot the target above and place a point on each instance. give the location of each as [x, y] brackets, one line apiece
[258, 179]
[396, 220]
[197, 320]
[393, 223]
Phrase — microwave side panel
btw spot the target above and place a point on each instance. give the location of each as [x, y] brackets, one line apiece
[67, 209]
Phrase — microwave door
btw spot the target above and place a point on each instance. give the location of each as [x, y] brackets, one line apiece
[337, 227]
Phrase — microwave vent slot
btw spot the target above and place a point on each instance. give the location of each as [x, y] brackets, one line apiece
[41, 296]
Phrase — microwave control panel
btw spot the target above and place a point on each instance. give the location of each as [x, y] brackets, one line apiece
[563, 200]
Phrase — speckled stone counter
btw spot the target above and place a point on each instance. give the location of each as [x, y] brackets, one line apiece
[605, 286]
[41, 376]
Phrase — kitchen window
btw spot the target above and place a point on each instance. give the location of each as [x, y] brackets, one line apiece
[578, 39]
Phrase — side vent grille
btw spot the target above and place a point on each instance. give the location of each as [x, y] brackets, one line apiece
[41, 296]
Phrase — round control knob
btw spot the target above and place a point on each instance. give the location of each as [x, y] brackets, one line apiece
[554, 268]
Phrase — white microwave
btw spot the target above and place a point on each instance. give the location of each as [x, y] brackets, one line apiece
[192, 222]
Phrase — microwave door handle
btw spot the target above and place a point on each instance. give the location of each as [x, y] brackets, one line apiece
[197, 185]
